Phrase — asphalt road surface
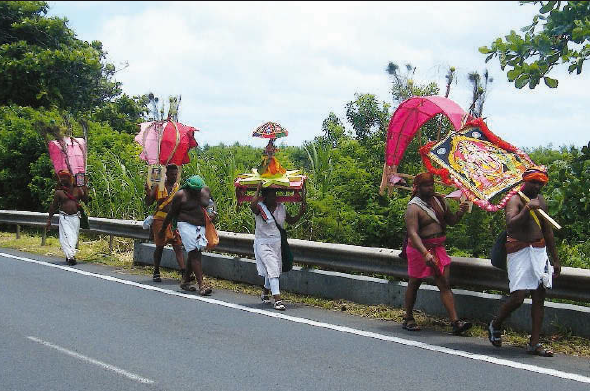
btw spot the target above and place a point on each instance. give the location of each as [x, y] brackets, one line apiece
[92, 327]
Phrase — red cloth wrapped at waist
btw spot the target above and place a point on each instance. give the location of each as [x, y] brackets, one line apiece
[515, 245]
[431, 243]
[417, 267]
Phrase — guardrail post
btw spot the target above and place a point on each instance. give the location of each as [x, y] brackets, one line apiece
[136, 245]
[18, 231]
[44, 237]
[110, 244]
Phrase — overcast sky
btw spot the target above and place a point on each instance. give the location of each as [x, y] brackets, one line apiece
[240, 64]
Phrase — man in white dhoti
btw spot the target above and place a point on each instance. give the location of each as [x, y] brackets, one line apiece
[269, 214]
[188, 209]
[67, 200]
[529, 268]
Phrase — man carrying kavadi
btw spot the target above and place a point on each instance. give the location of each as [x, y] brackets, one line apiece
[67, 200]
[164, 200]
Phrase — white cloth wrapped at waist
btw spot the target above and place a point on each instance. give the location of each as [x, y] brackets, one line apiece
[69, 228]
[193, 236]
[267, 240]
[269, 262]
[528, 268]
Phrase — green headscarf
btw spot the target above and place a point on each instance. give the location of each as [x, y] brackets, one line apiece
[194, 183]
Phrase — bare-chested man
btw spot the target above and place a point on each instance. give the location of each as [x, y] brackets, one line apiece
[164, 201]
[66, 200]
[426, 219]
[188, 210]
[529, 268]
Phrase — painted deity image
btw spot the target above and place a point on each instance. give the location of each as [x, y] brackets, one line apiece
[481, 166]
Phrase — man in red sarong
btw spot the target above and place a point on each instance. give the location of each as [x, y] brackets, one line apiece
[426, 219]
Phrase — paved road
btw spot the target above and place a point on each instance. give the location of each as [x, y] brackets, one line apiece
[92, 327]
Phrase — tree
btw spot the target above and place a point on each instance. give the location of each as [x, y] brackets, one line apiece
[43, 64]
[53, 84]
[124, 113]
[563, 38]
[479, 91]
[367, 116]
[333, 130]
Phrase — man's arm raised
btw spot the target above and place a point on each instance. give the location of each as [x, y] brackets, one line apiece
[84, 196]
[453, 218]
[150, 194]
[293, 219]
[514, 215]
[173, 213]
[254, 203]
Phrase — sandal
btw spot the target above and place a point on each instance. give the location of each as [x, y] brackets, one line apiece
[156, 277]
[279, 306]
[265, 298]
[205, 291]
[410, 324]
[459, 327]
[494, 335]
[191, 278]
[187, 287]
[538, 350]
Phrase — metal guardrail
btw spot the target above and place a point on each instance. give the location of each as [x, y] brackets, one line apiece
[470, 273]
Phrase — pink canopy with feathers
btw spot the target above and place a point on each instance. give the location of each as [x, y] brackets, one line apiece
[410, 116]
[72, 149]
[166, 142]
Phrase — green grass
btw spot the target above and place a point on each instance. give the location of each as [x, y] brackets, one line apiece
[95, 249]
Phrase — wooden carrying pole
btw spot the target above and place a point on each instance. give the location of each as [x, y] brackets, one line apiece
[463, 199]
[541, 211]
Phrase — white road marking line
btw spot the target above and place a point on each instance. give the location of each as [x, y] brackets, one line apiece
[101, 364]
[344, 329]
